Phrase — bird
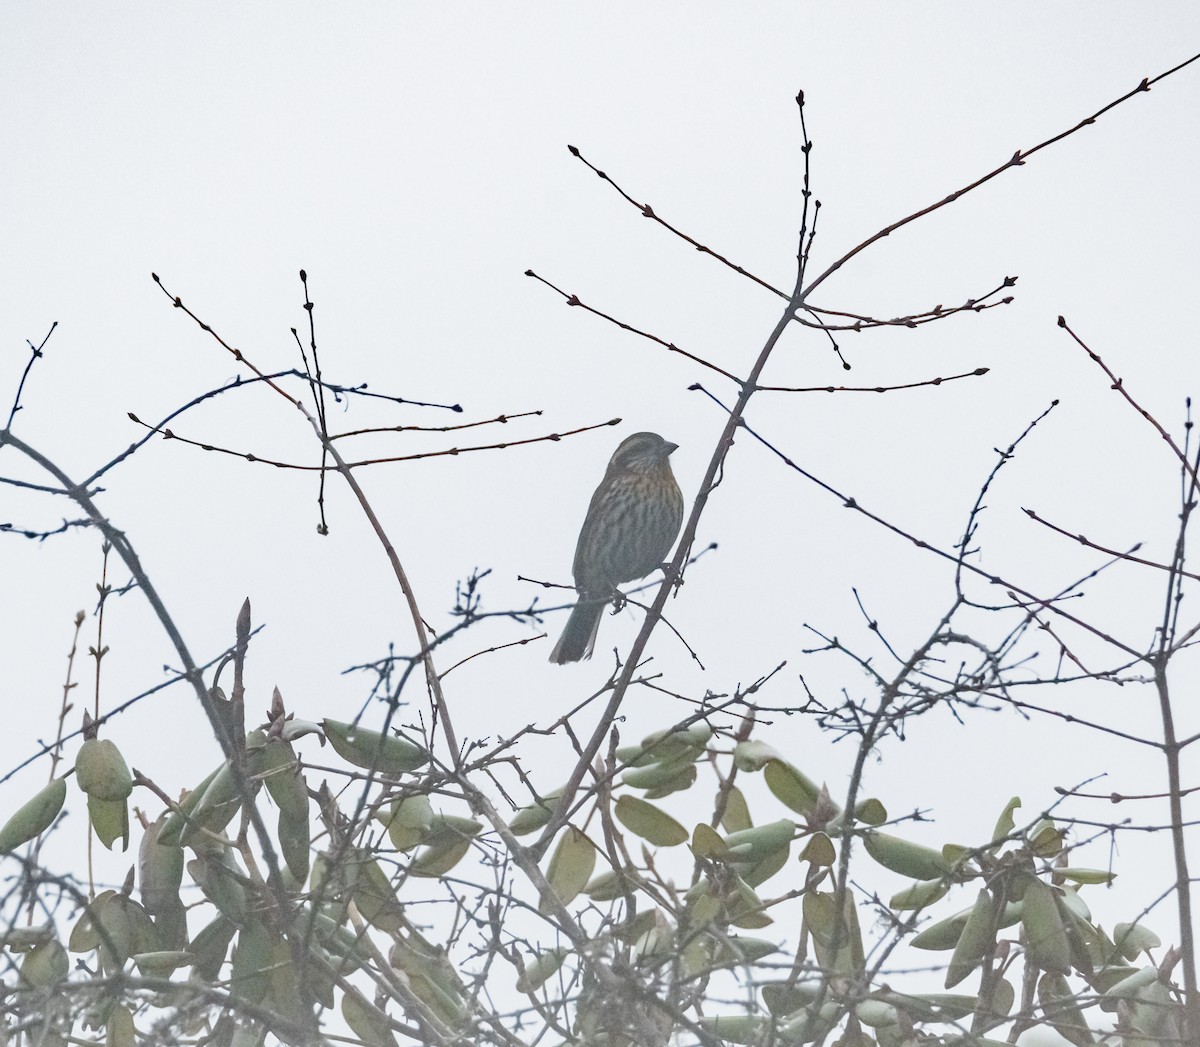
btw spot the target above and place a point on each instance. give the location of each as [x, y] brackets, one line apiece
[632, 521]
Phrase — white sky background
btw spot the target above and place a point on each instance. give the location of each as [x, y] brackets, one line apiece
[413, 160]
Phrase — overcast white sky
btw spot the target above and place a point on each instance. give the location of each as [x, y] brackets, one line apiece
[413, 159]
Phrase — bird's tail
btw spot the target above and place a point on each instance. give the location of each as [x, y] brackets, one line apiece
[579, 636]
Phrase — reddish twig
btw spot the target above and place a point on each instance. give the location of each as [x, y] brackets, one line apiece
[574, 300]
[1118, 385]
[977, 373]
[169, 434]
[1085, 541]
[1018, 159]
[648, 212]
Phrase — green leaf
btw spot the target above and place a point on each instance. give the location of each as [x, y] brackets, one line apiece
[1083, 876]
[375, 896]
[831, 930]
[223, 882]
[737, 1028]
[173, 827]
[1062, 1009]
[570, 867]
[1128, 987]
[656, 942]
[294, 843]
[753, 755]
[33, 817]
[763, 841]
[539, 968]
[213, 810]
[1104, 978]
[977, 938]
[160, 870]
[684, 778]
[736, 815]
[388, 753]
[209, 947]
[431, 987]
[534, 817]
[920, 894]
[45, 964]
[942, 935]
[408, 821]
[739, 950]
[1046, 941]
[679, 774]
[446, 843]
[876, 1014]
[688, 743]
[110, 819]
[1045, 840]
[101, 771]
[762, 870]
[791, 787]
[611, 884]
[784, 998]
[933, 1007]
[649, 822]
[276, 764]
[160, 964]
[1003, 996]
[908, 859]
[119, 1030]
[871, 812]
[1133, 939]
[819, 851]
[707, 842]
[953, 853]
[252, 959]
[367, 1024]
[1005, 823]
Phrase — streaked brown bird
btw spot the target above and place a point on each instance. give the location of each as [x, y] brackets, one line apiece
[631, 524]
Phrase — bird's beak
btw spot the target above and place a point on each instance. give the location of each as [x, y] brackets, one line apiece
[669, 447]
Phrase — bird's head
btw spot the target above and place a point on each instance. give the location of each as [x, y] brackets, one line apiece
[641, 452]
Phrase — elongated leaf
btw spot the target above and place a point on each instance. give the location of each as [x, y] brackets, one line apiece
[1046, 941]
[920, 894]
[570, 867]
[1005, 823]
[736, 815]
[34, 817]
[1085, 876]
[373, 750]
[791, 787]
[368, 1025]
[836, 937]
[649, 822]
[538, 969]
[160, 870]
[908, 859]
[977, 937]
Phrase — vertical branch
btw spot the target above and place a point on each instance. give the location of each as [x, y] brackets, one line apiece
[749, 386]
[1172, 748]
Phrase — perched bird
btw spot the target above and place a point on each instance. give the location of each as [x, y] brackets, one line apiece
[631, 524]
